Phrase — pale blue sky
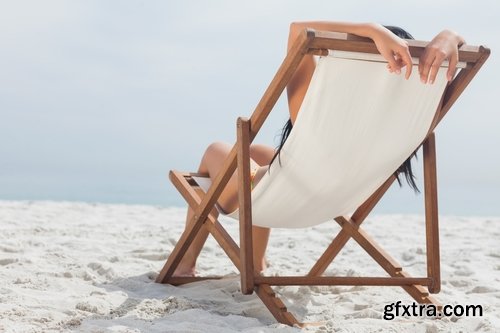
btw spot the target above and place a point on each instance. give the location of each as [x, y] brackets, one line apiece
[99, 99]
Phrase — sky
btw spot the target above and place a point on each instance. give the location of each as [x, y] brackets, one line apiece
[100, 99]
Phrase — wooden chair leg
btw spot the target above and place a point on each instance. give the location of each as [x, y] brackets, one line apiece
[431, 214]
[245, 206]
[178, 252]
[330, 253]
[276, 306]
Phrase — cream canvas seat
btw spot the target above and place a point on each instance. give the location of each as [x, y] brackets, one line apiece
[356, 126]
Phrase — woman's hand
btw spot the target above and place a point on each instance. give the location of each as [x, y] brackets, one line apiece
[394, 49]
[443, 47]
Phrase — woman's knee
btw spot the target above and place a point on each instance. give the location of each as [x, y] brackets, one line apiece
[216, 150]
[261, 154]
[214, 157]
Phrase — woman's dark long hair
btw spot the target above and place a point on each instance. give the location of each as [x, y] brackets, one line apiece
[404, 169]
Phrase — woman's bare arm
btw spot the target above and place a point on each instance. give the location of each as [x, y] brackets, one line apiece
[394, 49]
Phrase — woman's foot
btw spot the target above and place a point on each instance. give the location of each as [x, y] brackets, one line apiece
[184, 272]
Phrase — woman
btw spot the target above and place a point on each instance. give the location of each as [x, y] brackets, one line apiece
[390, 45]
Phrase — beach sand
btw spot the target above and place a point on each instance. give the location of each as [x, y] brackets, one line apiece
[82, 267]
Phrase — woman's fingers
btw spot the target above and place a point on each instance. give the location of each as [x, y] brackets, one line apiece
[434, 70]
[393, 65]
[442, 47]
[394, 50]
[424, 66]
[398, 60]
[438, 61]
[406, 59]
[431, 62]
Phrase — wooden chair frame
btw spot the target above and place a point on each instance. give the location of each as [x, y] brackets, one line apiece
[316, 42]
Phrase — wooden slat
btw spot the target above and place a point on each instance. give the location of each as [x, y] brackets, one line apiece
[431, 214]
[225, 241]
[362, 212]
[318, 52]
[180, 280]
[348, 42]
[245, 206]
[462, 80]
[418, 292]
[339, 281]
[293, 58]
[276, 306]
[389, 264]
[189, 177]
[330, 253]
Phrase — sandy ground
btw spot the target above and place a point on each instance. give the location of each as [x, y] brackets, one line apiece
[90, 268]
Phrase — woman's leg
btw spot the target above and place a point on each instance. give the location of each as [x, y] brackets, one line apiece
[211, 163]
[187, 265]
[262, 155]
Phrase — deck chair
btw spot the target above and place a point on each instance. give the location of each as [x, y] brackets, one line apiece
[374, 121]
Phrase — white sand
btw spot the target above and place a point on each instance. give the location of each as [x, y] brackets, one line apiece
[90, 268]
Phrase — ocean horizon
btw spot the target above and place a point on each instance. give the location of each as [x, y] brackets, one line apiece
[397, 201]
